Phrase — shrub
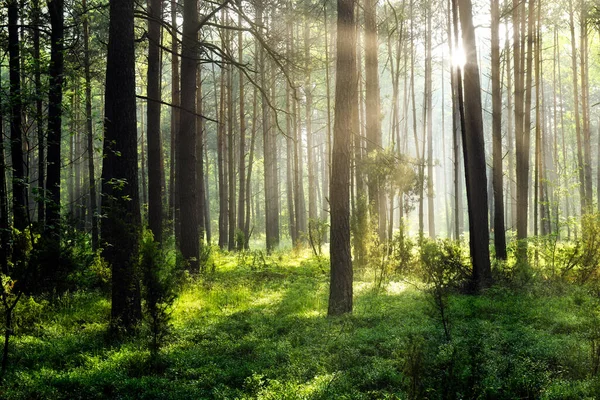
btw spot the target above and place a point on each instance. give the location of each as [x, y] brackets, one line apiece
[158, 289]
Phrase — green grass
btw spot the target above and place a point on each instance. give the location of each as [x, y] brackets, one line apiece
[257, 329]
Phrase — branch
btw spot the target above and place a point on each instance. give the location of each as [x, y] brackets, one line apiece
[176, 106]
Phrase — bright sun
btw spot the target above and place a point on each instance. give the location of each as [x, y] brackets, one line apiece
[459, 58]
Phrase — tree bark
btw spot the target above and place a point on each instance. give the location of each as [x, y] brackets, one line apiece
[498, 184]
[474, 154]
[373, 120]
[120, 204]
[89, 128]
[155, 195]
[186, 140]
[340, 290]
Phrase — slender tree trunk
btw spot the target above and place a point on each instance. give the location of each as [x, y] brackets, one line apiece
[340, 290]
[89, 129]
[580, 163]
[585, 110]
[373, 120]
[5, 231]
[39, 117]
[230, 153]
[312, 185]
[155, 195]
[270, 162]
[499, 236]
[327, 174]
[175, 96]
[250, 165]
[56, 9]
[429, 118]
[222, 172]
[201, 198]
[16, 133]
[241, 217]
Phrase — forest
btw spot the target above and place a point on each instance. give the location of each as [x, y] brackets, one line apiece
[300, 199]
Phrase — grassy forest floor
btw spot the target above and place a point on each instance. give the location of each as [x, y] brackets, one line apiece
[256, 328]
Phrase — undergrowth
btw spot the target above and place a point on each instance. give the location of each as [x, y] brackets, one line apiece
[255, 327]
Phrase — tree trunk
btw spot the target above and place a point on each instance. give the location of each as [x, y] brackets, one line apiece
[16, 130]
[340, 290]
[497, 179]
[222, 171]
[39, 117]
[373, 120]
[241, 217]
[155, 196]
[474, 153]
[186, 140]
[311, 164]
[89, 129]
[580, 164]
[428, 113]
[200, 181]
[175, 96]
[121, 227]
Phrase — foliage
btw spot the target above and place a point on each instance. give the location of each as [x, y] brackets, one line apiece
[261, 332]
[317, 232]
[580, 261]
[402, 249]
[159, 284]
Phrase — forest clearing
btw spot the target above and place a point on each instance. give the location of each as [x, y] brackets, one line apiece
[300, 199]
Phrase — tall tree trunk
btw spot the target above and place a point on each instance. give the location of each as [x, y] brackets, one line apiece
[222, 167]
[474, 153]
[89, 128]
[340, 290]
[580, 162]
[230, 152]
[327, 174]
[241, 217]
[155, 195]
[175, 100]
[16, 130]
[428, 113]
[373, 121]
[312, 186]
[4, 223]
[497, 179]
[56, 9]
[512, 190]
[270, 147]
[585, 110]
[186, 140]
[521, 134]
[201, 197]
[39, 117]
[250, 165]
[121, 227]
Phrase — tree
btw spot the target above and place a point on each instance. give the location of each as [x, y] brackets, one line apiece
[372, 105]
[346, 97]
[89, 128]
[16, 135]
[189, 240]
[270, 152]
[155, 196]
[56, 9]
[497, 180]
[474, 153]
[120, 202]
